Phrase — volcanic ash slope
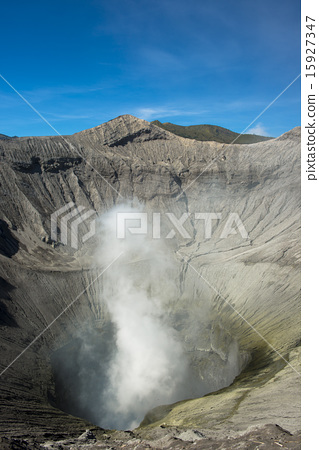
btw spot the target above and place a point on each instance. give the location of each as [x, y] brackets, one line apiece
[248, 288]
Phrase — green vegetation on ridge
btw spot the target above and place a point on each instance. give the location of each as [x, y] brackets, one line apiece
[210, 133]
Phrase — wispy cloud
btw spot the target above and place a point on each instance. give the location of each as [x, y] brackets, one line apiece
[150, 113]
[157, 58]
[57, 117]
[8, 101]
[258, 129]
[52, 92]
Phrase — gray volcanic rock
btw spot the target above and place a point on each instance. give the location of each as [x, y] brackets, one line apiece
[247, 289]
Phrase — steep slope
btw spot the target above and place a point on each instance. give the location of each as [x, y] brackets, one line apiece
[247, 288]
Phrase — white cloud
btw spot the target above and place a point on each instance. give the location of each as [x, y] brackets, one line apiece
[258, 129]
[161, 112]
[58, 117]
[42, 94]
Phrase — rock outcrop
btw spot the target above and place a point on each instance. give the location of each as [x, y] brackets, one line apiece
[247, 287]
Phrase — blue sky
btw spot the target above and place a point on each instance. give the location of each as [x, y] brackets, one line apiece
[82, 63]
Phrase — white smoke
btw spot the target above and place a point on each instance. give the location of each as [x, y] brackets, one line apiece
[113, 373]
[149, 365]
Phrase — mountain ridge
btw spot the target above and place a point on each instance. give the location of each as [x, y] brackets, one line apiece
[204, 133]
[208, 132]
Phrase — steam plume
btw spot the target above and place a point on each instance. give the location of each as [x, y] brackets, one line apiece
[114, 373]
[149, 363]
